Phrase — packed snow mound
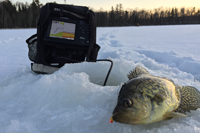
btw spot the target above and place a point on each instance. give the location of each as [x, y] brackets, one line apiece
[73, 99]
[173, 60]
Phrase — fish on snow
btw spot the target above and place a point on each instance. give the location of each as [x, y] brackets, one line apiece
[147, 99]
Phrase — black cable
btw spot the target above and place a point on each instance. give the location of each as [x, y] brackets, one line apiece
[109, 69]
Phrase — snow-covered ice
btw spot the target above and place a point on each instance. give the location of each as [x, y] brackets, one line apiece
[73, 100]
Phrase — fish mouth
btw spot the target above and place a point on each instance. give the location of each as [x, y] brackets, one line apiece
[113, 115]
[117, 117]
[122, 116]
[142, 104]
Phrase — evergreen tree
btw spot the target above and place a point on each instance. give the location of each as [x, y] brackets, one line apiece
[24, 15]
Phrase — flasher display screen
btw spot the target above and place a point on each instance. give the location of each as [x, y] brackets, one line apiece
[62, 30]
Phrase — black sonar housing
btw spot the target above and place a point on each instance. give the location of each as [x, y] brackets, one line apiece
[65, 34]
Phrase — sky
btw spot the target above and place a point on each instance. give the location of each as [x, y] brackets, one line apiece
[127, 4]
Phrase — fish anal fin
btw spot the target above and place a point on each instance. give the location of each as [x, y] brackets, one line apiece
[167, 118]
[174, 114]
[136, 72]
[190, 99]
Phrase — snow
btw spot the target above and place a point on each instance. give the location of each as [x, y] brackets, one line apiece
[73, 99]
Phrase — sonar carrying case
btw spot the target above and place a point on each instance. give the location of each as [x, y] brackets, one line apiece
[65, 34]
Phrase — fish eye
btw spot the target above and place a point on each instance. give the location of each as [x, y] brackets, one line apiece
[127, 103]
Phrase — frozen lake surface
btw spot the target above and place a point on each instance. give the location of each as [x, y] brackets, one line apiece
[73, 99]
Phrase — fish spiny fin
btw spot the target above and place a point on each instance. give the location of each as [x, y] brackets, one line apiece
[190, 99]
[137, 71]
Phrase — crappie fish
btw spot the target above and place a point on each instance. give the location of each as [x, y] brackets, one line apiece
[146, 99]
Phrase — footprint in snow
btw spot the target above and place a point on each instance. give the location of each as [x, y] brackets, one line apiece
[108, 35]
[10, 40]
[115, 43]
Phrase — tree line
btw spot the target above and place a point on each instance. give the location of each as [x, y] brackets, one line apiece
[19, 15]
[24, 15]
[159, 16]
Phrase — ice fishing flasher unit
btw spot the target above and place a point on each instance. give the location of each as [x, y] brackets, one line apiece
[65, 34]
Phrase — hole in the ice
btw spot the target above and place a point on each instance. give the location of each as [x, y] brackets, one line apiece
[97, 72]
[113, 80]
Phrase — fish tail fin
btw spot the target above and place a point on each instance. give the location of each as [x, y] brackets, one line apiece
[190, 99]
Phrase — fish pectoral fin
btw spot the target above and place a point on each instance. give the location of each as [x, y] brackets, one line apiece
[159, 97]
[174, 114]
[162, 95]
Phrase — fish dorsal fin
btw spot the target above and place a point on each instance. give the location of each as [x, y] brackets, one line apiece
[136, 72]
[190, 99]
